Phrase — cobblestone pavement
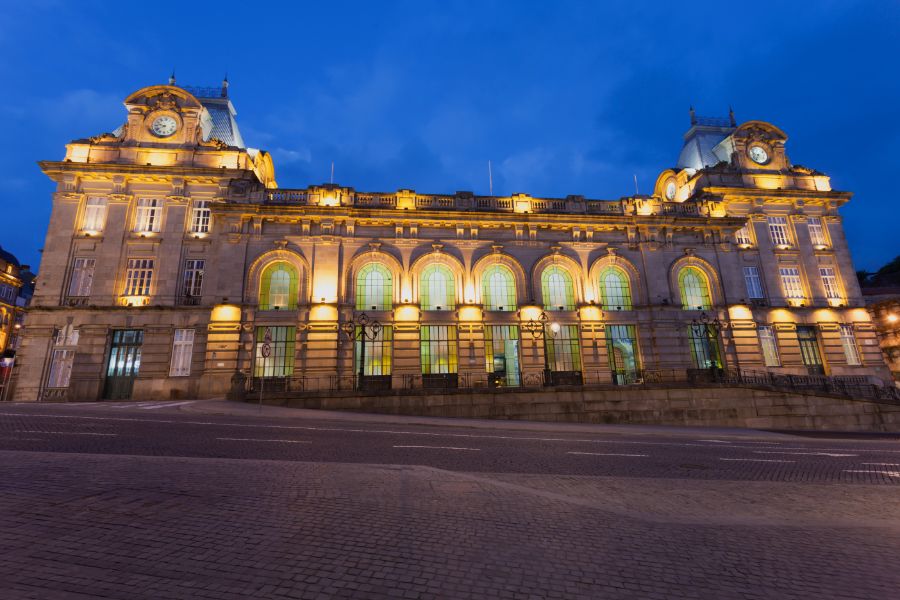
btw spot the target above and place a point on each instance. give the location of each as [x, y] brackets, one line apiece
[98, 501]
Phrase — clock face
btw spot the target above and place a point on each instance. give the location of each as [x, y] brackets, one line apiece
[670, 190]
[164, 126]
[758, 154]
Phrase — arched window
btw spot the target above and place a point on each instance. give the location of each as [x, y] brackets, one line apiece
[498, 288]
[615, 291]
[278, 288]
[436, 288]
[557, 289]
[374, 288]
[694, 288]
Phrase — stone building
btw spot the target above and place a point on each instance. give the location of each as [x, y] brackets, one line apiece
[173, 262]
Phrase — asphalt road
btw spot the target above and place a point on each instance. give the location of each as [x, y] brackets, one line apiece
[159, 500]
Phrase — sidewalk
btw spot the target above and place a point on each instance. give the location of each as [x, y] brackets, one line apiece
[249, 410]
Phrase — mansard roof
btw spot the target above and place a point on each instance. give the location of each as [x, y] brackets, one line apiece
[218, 105]
[704, 135]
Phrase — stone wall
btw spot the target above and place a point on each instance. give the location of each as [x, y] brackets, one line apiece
[709, 407]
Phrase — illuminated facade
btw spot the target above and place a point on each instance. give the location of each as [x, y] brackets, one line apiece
[173, 261]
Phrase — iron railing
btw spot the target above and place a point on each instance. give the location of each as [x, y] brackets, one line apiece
[853, 387]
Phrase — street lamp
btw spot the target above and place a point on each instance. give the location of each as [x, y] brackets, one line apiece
[365, 329]
[708, 330]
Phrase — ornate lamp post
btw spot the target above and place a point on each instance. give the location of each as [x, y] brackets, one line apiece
[708, 330]
[365, 329]
[537, 328]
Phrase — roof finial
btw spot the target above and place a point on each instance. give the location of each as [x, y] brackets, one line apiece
[731, 116]
[172, 77]
[693, 115]
[225, 86]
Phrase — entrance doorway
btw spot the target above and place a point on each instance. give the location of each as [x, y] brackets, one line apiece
[809, 350]
[124, 363]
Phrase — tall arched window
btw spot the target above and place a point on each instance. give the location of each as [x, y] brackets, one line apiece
[498, 288]
[278, 288]
[694, 288]
[374, 288]
[436, 288]
[615, 290]
[557, 289]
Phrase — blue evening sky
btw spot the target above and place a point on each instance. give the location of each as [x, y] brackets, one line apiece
[562, 97]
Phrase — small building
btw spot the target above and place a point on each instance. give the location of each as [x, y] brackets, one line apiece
[174, 265]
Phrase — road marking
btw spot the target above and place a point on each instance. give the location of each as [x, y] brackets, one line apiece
[832, 454]
[166, 405]
[607, 454]
[441, 448]
[715, 441]
[765, 460]
[874, 472]
[231, 439]
[883, 464]
[67, 432]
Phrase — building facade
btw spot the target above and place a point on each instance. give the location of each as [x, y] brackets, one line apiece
[174, 266]
[16, 286]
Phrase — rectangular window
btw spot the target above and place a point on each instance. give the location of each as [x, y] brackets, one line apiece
[743, 236]
[830, 282]
[562, 347]
[778, 231]
[82, 277]
[63, 357]
[768, 345]
[816, 231]
[438, 349]
[790, 281]
[182, 349]
[501, 349]
[94, 215]
[377, 352]
[139, 277]
[61, 368]
[280, 359]
[148, 215]
[193, 278]
[200, 215]
[8, 292]
[754, 283]
[848, 341]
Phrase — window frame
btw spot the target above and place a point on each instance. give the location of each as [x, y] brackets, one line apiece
[366, 291]
[552, 277]
[791, 280]
[850, 346]
[426, 302]
[490, 287]
[95, 213]
[705, 288]
[81, 279]
[779, 231]
[753, 283]
[201, 216]
[148, 215]
[768, 345]
[139, 277]
[182, 352]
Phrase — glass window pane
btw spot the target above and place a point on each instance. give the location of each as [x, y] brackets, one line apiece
[557, 289]
[498, 288]
[615, 289]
